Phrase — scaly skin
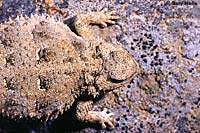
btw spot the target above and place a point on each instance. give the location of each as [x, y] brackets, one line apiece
[44, 67]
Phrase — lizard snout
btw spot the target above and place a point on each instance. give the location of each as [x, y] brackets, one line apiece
[121, 66]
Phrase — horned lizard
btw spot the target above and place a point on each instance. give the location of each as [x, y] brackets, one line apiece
[45, 67]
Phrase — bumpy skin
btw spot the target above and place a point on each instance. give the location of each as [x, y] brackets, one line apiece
[44, 67]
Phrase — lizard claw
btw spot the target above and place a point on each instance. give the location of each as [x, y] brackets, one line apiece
[109, 18]
[107, 120]
[104, 118]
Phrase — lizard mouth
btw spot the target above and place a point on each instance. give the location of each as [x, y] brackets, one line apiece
[113, 80]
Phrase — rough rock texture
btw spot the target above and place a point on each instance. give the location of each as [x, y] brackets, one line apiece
[164, 38]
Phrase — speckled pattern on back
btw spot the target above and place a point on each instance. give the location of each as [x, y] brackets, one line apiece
[35, 67]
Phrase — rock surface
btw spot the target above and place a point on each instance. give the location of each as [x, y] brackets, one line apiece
[164, 38]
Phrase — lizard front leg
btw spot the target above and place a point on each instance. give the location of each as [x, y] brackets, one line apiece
[84, 113]
[82, 22]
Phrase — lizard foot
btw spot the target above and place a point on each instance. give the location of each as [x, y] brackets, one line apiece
[104, 118]
[108, 18]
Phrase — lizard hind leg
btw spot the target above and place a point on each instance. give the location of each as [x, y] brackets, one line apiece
[84, 113]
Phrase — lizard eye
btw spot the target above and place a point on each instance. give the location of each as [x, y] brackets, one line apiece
[120, 66]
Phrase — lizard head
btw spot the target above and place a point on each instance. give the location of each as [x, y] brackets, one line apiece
[119, 67]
